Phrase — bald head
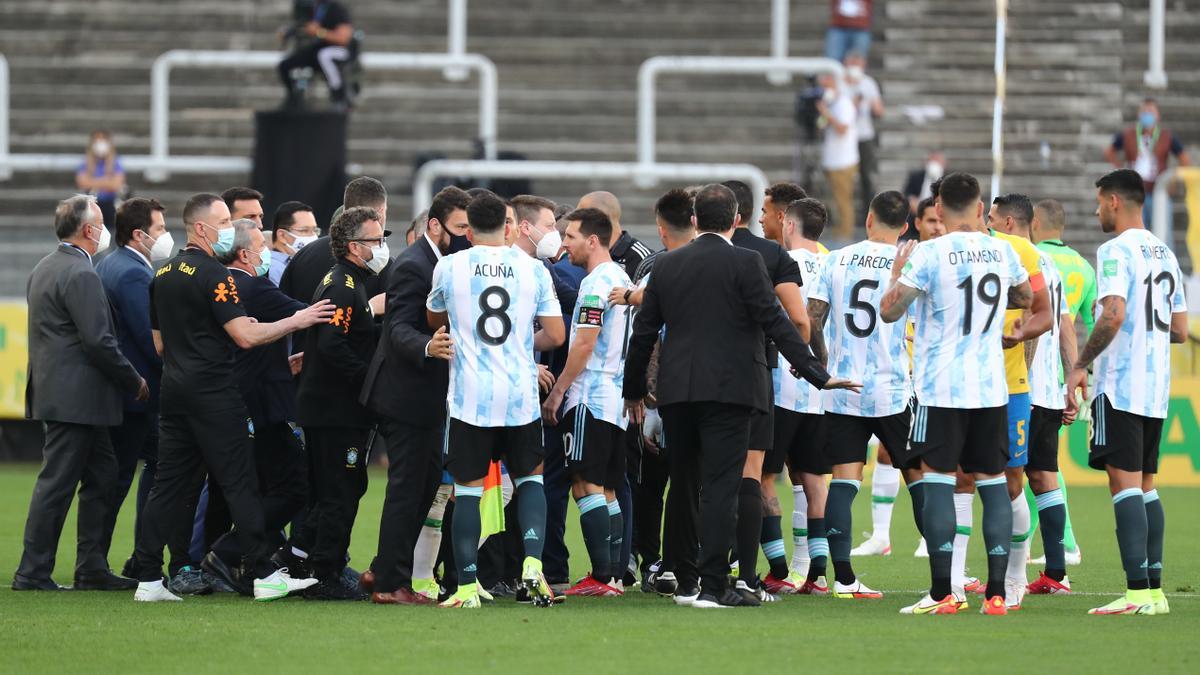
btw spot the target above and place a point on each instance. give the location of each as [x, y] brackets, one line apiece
[607, 203]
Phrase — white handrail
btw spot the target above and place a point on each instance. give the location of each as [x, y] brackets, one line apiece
[425, 176]
[456, 38]
[653, 67]
[1156, 76]
[1159, 215]
[160, 88]
[5, 169]
[780, 27]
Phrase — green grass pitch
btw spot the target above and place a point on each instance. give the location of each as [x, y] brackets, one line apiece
[109, 633]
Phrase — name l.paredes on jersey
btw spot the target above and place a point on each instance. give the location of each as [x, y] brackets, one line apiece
[495, 270]
[875, 262]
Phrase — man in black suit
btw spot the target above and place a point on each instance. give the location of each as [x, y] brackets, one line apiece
[716, 302]
[77, 382]
[311, 263]
[264, 378]
[406, 387]
[756, 496]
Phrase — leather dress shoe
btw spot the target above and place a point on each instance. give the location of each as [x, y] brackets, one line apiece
[104, 581]
[400, 596]
[366, 580]
[26, 584]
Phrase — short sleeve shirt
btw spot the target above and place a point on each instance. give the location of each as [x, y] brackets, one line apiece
[192, 297]
[599, 385]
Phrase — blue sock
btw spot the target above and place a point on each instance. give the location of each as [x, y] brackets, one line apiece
[531, 513]
[616, 538]
[466, 529]
[594, 521]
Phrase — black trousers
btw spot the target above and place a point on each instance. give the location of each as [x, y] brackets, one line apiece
[216, 443]
[557, 483]
[338, 464]
[136, 438]
[414, 474]
[708, 442]
[323, 56]
[282, 473]
[74, 456]
[654, 471]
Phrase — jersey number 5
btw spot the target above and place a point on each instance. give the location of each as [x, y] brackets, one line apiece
[494, 301]
[857, 304]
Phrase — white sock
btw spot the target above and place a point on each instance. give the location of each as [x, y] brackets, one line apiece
[799, 528]
[963, 517]
[885, 484]
[430, 539]
[1018, 555]
[303, 555]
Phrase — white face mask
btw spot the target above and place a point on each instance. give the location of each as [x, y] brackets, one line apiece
[101, 147]
[104, 241]
[854, 73]
[161, 250]
[829, 96]
[299, 242]
[379, 258]
[933, 170]
[549, 246]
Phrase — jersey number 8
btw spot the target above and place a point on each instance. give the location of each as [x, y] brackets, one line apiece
[494, 301]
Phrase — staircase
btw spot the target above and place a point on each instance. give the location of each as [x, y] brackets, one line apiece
[568, 77]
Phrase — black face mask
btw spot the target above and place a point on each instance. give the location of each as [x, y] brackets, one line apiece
[458, 242]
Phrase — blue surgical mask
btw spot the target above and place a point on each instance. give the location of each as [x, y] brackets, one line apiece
[224, 243]
[1147, 119]
[264, 264]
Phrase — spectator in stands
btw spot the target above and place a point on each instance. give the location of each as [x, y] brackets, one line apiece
[101, 174]
[294, 227]
[77, 381]
[839, 152]
[849, 28]
[332, 49]
[868, 101]
[244, 203]
[1146, 146]
[416, 229]
[917, 187]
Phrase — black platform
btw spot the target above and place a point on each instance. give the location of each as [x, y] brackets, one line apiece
[301, 156]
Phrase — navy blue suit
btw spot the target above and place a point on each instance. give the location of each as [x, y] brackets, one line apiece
[125, 276]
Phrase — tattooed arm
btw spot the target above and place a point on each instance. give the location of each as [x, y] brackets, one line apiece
[1107, 325]
[818, 310]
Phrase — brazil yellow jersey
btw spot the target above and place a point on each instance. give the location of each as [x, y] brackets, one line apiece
[1014, 358]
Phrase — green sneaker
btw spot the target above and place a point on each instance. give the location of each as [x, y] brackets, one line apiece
[1160, 601]
[426, 587]
[535, 582]
[1133, 602]
[467, 597]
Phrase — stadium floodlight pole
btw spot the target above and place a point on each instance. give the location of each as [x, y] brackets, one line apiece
[160, 162]
[998, 107]
[432, 170]
[456, 38]
[1156, 76]
[780, 28]
[708, 65]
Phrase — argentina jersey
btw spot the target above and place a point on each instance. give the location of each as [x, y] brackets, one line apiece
[492, 295]
[599, 385]
[1134, 371]
[1046, 372]
[862, 348]
[964, 278]
[793, 393]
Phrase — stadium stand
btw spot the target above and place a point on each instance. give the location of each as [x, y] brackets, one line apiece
[568, 90]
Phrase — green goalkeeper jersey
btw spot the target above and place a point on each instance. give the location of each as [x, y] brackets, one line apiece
[1079, 279]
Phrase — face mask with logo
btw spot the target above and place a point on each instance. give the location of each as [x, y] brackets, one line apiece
[380, 255]
[161, 250]
[224, 243]
[299, 242]
[549, 246]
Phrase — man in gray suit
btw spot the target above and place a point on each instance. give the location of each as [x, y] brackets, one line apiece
[76, 386]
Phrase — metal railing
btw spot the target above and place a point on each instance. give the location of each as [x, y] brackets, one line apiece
[1155, 75]
[439, 168]
[160, 89]
[708, 65]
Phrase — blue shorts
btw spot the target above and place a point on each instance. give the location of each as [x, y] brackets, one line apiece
[1018, 429]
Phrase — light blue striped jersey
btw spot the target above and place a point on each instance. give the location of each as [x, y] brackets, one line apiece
[1135, 369]
[861, 347]
[599, 385]
[492, 295]
[1046, 372]
[793, 393]
[963, 279]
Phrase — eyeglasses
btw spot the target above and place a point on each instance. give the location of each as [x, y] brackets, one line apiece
[377, 240]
